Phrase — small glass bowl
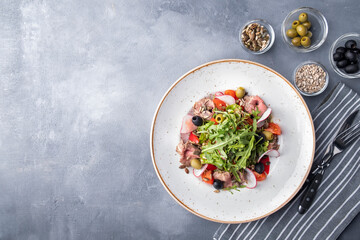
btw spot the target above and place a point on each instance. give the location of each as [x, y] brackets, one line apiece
[268, 28]
[340, 42]
[326, 79]
[319, 28]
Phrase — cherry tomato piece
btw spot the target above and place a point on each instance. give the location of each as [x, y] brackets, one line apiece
[221, 105]
[231, 93]
[207, 177]
[213, 120]
[260, 177]
[274, 128]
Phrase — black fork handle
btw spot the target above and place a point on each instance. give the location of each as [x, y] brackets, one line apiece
[309, 179]
[326, 158]
[313, 172]
[310, 193]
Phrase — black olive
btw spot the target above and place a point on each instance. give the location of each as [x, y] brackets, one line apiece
[350, 44]
[352, 68]
[355, 50]
[349, 55]
[341, 50]
[197, 121]
[342, 63]
[259, 168]
[338, 56]
[260, 137]
[218, 184]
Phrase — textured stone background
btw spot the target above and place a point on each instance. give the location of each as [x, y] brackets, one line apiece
[80, 81]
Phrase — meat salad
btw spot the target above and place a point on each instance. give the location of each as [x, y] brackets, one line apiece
[227, 139]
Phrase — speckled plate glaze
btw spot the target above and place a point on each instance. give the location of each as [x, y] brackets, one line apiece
[287, 173]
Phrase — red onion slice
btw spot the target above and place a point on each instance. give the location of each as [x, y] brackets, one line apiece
[229, 100]
[217, 94]
[198, 172]
[270, 153]
[265, 115]
[250, 178]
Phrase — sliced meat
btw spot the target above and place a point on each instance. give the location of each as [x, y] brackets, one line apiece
[184, 136]
[266, 124]
[180, 148]
[192, 152]
[253, 103]
[187, 151]
[187, 125]
[242, 176]
[223, 176]
[204, 108]
[274, 144]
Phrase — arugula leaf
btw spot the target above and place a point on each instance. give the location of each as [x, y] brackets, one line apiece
[242, 162]
[255, 113]
[203, 137]
[231, 144]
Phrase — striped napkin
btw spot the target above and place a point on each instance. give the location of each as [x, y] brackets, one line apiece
[338, 199]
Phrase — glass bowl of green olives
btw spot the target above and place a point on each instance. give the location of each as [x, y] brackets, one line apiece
[344, 55]
[304, 29]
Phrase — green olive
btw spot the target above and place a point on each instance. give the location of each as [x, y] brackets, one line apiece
[305, 41]
[309, 34]
[295, 24]
[303, 17]
[301, 30]
[291, 33]
[268, 135]
[307, 24]
[195, 163]
[296, 41]
[219, 118]
[240, 92]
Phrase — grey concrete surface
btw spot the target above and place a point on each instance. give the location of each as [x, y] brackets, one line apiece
[80, 81]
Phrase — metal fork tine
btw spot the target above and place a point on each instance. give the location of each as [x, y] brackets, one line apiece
[352, 137]
[348, 131]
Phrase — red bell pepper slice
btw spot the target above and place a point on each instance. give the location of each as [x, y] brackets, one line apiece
[266, 161]
[193, 138]
[211, 167]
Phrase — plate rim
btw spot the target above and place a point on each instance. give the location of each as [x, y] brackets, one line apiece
[152, 139]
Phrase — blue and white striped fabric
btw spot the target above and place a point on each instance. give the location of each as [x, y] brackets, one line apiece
[338, 199]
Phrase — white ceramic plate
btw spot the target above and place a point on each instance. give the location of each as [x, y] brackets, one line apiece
[287, 173]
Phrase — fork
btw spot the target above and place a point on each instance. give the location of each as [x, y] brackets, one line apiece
[341, 142]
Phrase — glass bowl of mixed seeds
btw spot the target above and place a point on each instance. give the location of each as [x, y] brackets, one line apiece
[311, 78]
[257, 36]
